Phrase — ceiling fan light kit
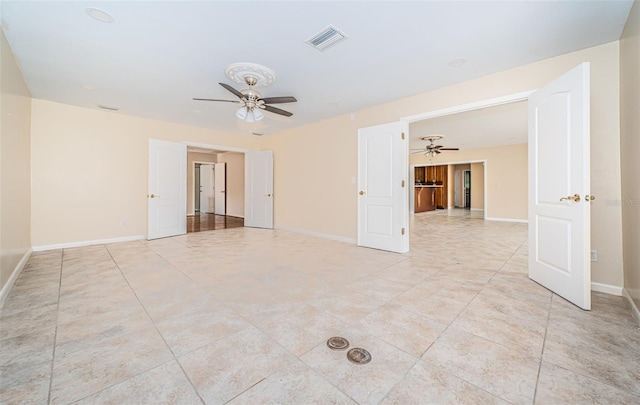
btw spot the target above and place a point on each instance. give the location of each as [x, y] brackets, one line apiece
[252, 75]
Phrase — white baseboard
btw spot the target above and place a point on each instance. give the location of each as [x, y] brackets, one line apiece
[477, 209]
[14, 276]
[634, 309]
[607, 289]
[522, 221]
[87, 243]
[317, 234]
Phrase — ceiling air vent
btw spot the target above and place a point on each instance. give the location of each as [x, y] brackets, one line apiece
[326, 38]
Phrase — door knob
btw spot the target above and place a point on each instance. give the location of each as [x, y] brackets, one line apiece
[589, 197]
[153, 196]
[361, 193]
[267, 195]
[575, 197]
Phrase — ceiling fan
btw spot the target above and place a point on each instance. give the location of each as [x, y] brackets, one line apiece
[431, 149]
[252, 101]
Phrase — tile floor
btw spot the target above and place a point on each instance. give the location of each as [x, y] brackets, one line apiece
[242, 316]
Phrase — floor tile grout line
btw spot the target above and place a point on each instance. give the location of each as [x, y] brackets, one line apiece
[248, 388]
[481, 337]
[616, 388]
[554, 297]
[121, 382]
[55, 334]
[544, 343]
[156, 328]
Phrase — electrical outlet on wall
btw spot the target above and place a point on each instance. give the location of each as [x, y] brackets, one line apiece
[594, 255]
[123, 223]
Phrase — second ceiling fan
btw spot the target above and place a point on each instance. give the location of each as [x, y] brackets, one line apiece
[432, 149]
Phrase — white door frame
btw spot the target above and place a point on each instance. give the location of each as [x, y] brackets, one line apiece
[412, 190]
[476, 105]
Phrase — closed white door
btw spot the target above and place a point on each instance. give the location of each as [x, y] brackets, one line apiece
[207, 194]
[382, 188]
[559, 225]
[220, 188]
[258, 189]
[167, 198]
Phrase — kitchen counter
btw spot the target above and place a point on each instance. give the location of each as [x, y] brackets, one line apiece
[425, 198]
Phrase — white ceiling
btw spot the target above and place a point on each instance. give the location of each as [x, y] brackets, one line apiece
[505, 124]
[157, 56]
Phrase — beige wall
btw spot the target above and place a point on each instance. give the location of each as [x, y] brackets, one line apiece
[89, 170]
[630, 147]
[504, 165]
[15, 193]
[477, 186]
[193, 157]
[314, 164]
[235, 182]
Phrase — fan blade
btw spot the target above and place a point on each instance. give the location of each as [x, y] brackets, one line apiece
[437, 151]
[232, 90]
[437, 146]
[279, 100]
[420, 151]
[213, 99]
[449, 149]
[277, 110]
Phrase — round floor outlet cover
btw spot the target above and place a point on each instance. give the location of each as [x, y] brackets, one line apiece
[359, 356]
[337, 343]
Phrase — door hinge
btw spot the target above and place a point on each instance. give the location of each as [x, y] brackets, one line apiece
[402, 231]
[402, 183]
[402, 135]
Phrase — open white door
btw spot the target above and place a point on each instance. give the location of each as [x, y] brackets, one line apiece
[258, 211]
[220, 181]
[207, 194]
[383, 188]
[167, 198]
[559, 225]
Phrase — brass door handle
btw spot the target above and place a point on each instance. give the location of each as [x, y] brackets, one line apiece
[362, 193]
[153, 196]
[589, 197]
[267, 195]
[575, 197]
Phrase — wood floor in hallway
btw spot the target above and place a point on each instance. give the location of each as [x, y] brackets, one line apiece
[209, 222]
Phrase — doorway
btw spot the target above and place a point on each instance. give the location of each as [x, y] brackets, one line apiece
[449, 186]
[467, 189]
[215, 189]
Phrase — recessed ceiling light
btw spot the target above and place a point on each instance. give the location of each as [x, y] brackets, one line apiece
[457, 62]
[88, 87]
[100, 15]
